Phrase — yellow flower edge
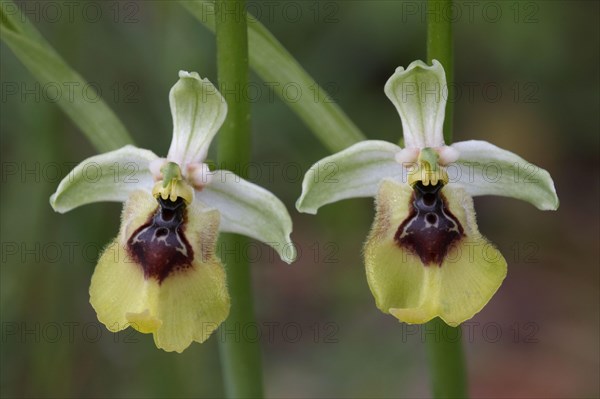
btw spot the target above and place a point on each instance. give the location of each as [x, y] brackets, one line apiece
[188, 305]
[414, 293]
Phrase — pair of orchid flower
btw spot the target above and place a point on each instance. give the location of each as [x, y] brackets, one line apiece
[424, 256]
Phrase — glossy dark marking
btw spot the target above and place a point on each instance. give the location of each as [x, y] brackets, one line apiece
[159, 245]
[430, 228]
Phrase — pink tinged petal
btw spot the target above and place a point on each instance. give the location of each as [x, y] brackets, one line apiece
[156, 168]
[454, 287]
[199, 175]
[447, 154]
[407, 156]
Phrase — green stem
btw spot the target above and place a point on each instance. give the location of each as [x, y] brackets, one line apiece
[240, 358]
[446, 360]
[444, 350]
[440, 47]
[279, 69]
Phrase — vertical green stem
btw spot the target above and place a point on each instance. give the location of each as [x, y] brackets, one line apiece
[440, 47]
[240, 358]
[446, 359]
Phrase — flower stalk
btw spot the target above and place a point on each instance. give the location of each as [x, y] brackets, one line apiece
[444, 350]
[240, 359]
[440, 47]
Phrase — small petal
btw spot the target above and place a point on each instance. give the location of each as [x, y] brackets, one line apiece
[156, 168]
[466, 278]
[447, 154]
[484, 169]
[350, 173]
[179, 307]
[408, 156]
[250, 210]
[199, 175]
[198, 111]
[419, 94]
[111, 176]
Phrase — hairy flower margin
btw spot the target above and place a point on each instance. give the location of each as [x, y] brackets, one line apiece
[161, 274]
[424, 256]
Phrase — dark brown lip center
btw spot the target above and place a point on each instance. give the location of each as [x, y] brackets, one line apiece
[159, 245]
[430, 229]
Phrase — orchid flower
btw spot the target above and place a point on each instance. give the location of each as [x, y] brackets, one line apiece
[424, 256]
[161, 274]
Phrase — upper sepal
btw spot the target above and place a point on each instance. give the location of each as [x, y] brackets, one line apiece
[419, 93]
[198, 111]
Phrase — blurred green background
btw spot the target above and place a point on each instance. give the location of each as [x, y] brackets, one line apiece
[528, 80]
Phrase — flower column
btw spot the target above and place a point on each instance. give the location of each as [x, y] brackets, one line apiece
[240, 359]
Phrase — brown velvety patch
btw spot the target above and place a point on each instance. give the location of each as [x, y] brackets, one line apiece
[430, 229]
[159, 245]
